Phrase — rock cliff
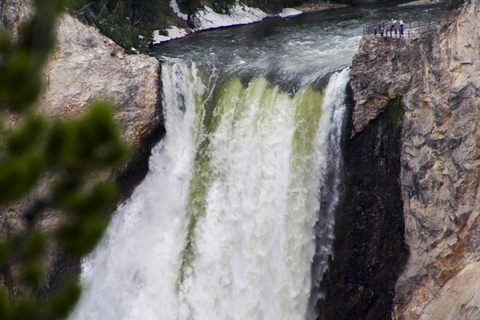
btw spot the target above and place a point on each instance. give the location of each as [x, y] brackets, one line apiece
[369, 250]
[437, 78]
[86, 65]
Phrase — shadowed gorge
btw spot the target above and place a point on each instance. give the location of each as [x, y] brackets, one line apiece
[370, 249]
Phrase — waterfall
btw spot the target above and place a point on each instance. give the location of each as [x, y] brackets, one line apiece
[330, 188]
[226, 223]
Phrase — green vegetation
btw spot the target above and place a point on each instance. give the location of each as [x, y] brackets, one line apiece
[222, 6]
[130, 23]
[396, 114]
[71, 154]
[190, 7]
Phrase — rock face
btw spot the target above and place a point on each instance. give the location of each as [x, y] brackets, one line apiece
[86, 66]
[370, 250]
[438, 79]
[441, 173]
[13, 13]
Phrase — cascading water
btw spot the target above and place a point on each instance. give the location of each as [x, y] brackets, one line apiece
[235, 218]
[222, 227]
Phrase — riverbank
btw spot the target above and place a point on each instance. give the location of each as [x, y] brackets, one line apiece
[209, 19]
[421, 3]
[239, 15]
[313, 7]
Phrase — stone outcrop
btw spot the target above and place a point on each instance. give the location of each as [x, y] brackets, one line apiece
[437, 76]
[87, 65]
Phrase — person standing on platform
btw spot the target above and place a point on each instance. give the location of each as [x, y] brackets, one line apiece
[394, 22]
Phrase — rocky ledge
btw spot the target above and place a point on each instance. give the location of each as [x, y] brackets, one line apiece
[437, 79]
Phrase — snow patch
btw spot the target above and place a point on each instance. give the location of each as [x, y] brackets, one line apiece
[289, 12]
[209, 19]
[420, 3]
[173, 33]
[176, 9]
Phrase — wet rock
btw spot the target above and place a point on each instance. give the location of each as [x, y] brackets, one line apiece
[370, 248]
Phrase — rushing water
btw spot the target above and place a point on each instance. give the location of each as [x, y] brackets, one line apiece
[235, 218]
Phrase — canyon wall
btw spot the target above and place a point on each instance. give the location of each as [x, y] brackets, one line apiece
[437, 79]
[369, 247]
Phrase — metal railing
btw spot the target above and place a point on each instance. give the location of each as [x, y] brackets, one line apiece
[410, 30]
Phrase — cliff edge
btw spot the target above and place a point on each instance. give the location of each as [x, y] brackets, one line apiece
[437, 79]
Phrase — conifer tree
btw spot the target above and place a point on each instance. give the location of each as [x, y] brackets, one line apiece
[127, 22]
[190, 7]
[70, 151]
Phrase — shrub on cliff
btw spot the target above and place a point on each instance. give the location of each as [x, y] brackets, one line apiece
[70, 153]
[130, 23]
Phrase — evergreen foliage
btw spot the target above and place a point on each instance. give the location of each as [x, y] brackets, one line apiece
[190, 7]
[222, 6]
[72, 153]
[130, 23]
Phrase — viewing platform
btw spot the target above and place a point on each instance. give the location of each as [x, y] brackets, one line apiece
[411, 30]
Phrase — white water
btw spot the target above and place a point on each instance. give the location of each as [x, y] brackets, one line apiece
[242, 188]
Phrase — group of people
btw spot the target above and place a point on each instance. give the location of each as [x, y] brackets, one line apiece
[381, 29]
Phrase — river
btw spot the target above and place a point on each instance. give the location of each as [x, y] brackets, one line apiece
[235, 218]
